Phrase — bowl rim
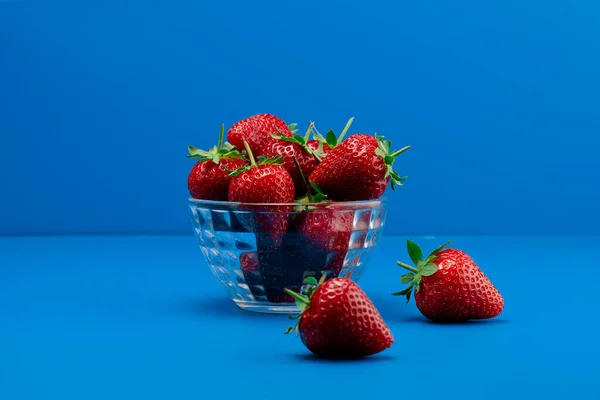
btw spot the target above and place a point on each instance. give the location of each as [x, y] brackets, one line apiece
[353, 203]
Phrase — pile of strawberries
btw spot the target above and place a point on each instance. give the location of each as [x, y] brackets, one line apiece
[266, 166]
[265, 161]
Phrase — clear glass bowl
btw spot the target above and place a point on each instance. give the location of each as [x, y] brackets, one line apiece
[257, 250]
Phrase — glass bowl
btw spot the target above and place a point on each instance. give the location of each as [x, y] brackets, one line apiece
[258, 250]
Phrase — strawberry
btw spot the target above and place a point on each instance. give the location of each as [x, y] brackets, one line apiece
[264, 182]
[324, 144]
[248, 263]
[338, 320]
[359, 168]
[289, 148]
[257, 130]
[326, 228]
[209, 178]
[318, 146]
[251, 272]
[329, 230]
[449, 286]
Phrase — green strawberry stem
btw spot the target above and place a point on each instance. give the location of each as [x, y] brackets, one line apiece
[341, 137]
[424, 267]
[330, 139]
[302, 177]
[408, 267]
[303, 300]
[221, 133]
[250, 155]
[397, 152]
[308, 131]
[317, 198]
[262, 160]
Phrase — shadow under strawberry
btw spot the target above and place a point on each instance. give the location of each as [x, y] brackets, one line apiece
[471, 322]
[310, 357]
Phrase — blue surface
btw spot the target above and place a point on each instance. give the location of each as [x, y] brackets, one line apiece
[499, 99]
[143, 318]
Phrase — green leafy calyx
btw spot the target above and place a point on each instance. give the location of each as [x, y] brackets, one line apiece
[330, 138]
[292, 127]
[383, 150]
[423, 267]
[303, 300]
[301, 141]
[261, 160]
[216, 153]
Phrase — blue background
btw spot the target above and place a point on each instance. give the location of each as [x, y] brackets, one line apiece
[498, 99]
[135, 317]
[99, 99]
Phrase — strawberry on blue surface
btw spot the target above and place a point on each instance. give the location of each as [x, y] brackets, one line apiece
[338, 320]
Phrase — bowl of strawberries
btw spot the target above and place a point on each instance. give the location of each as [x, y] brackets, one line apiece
[271, 207]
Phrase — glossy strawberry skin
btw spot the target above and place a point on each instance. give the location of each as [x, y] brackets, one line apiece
[352, 171]
[256, 130]
[287, 151]
[210, 181]
[458, 291]
[342, 322]
[327, 229]
[266, 183]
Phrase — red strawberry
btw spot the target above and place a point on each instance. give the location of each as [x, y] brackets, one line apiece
[358, 169]
[318, 146]
[289, 148]
[257, 130]
[338, 320]
[248, 263]
[328, 229]
[209, 179]
[324, 144]
[264, 182]
[449, 286]
[287, 151]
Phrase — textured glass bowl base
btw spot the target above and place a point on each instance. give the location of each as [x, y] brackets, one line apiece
[256, 266]
[267, 307]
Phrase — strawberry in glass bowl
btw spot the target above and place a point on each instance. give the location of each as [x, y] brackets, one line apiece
[291, 215]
